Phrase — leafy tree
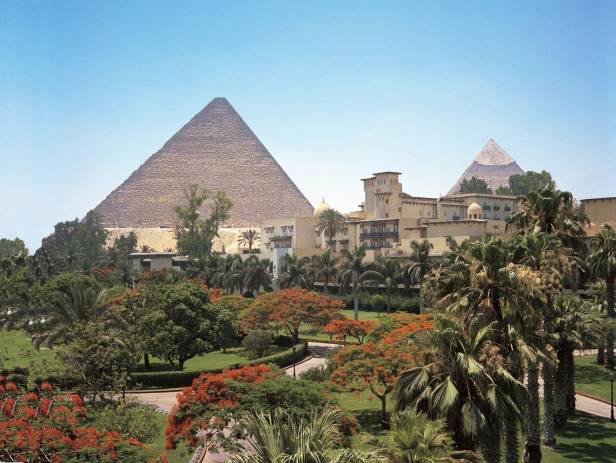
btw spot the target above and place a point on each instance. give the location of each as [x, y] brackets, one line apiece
[194, 234]
[279, 436]
[474, 185]
[294, 272]
[603, 265]
[419, 266]
[523, 184]
[371, 366]
[228, 310]
[119, 256]
[181, 324]
[325, 269]
[248, 238]
[330, 222]
[98, 359]
[354, 274]
[289, 309]
[257, 342]
[357, 329]
[74, 246]
[13, 255]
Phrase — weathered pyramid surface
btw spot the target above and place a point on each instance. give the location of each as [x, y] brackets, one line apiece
[218, 151]
[492, 164]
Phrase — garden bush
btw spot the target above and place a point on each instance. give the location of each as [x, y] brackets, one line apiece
[257, 343]
[371, 303]
[129, 419]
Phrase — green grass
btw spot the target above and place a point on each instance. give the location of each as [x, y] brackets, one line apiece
[211, 360]
[363, 314]
[586, 438]
[591, 378]
[16, 350]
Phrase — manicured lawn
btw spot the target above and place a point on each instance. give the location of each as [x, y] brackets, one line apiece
[364, 315]
[16, 350]
[211, 360]
[586, 438]
[591, 378]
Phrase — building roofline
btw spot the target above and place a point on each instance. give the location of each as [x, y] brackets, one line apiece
[598, 199]
[486, 195]
[387, 172]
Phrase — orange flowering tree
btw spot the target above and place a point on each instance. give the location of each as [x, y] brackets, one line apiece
[376, 365]
[356, 329]
[289, 309]
[48, 426]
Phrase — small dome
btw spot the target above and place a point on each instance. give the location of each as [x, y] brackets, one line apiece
[321, 207]
[474, 211]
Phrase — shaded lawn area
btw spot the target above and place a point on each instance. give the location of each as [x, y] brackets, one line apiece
[216, 359]
[180, 455]
[586, 438]
[16, 350]
[592, 378]
[317, 333]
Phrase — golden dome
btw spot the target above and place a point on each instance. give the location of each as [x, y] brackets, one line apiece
[474, 211]
[321, 207]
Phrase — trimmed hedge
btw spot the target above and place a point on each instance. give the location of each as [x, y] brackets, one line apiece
[172, 379]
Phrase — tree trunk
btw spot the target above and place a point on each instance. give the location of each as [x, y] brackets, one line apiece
[181, 363]
[570, 384]
[549, 435]
[611, 313]
[490, 444]
[601, 351]
[146, 360]
[512, 440]
[384, 417]
[295, 335]
[561, 389]
[421, 302]
[355, 307]
[532, 451]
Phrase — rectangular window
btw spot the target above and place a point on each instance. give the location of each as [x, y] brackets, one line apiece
[507, 208]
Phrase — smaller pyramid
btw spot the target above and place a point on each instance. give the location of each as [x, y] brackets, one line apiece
[493, 165]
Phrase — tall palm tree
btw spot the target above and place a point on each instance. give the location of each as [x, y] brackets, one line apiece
[256, 274]
[420, 265]
[603, 265]
[145, 248]
[464, 381]
[325, 268]
[279, 437]
[353, 274]
[415, 438]
[248, 238]
[67, 308]
[575, 325]
[330, 222]
[294, 272]
[391, 276]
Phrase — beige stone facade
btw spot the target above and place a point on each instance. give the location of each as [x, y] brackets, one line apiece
[599, 211]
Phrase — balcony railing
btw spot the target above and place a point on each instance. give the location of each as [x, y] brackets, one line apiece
[378, 234]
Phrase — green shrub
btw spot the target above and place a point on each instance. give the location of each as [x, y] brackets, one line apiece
[129, 419]
[257, 343]
[378, 303]
[315, 374]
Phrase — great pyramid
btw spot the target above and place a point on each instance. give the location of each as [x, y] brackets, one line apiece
[491, 164]
[217, 150]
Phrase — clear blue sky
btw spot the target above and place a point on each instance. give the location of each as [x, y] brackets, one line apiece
[335, 90]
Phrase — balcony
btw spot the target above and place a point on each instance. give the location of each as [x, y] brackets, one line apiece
[378, 234]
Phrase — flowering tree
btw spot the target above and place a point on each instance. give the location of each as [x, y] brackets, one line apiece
[357, 329]
[289, 308]
[376, 365]
[47, 426]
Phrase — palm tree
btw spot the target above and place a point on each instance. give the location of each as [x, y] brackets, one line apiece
[465, 382]
[603, 265]
[330, 222]
[294, 272]
[415, 438]
[256, 274]
[279, 437]
[419, 266]
[575, 325]
[353, 274]
[145, 248]
[325, 268]
[391, 276]
[76, 304]
[248, 238]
